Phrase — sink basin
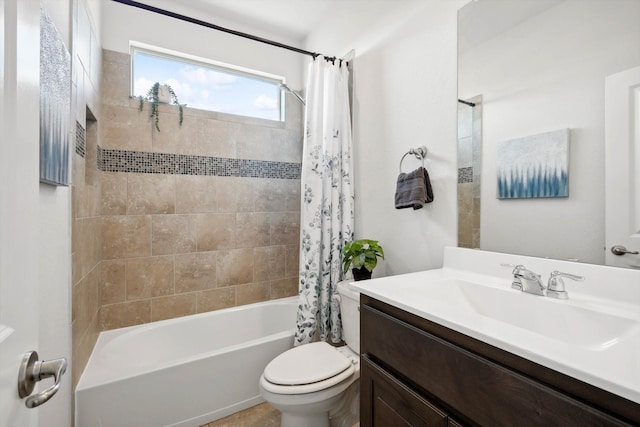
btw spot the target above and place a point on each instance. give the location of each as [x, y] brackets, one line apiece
[594, 336]
[552, 318]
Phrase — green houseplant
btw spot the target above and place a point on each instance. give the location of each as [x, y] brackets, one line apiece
[362, 256]
[160, 94]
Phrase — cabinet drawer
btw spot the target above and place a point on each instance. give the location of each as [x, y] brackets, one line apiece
[388, 402]
[478, 389]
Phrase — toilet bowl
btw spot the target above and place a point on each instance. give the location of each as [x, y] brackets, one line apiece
[316, 384]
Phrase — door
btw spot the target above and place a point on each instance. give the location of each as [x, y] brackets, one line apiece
[19, 199]
[622, 168]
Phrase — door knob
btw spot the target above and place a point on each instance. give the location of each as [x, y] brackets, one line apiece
[32, 370]
[621, 250]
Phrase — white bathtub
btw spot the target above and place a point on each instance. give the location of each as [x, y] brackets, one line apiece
[185, 371]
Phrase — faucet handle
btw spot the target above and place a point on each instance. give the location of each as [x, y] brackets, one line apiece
[555, 288]
[516, 267]
[517, 282]
[506, 264]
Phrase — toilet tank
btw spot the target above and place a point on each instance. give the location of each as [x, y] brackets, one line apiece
[350, 314]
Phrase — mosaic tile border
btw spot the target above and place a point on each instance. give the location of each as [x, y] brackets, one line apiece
[465, 175]
[182, 164]
[81, 140]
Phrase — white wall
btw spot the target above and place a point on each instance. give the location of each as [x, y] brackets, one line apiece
[54, 264]
[121, 24]
[404, 97]
[546, 74]
[54, 230]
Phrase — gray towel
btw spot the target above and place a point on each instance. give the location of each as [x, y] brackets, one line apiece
[413, 189]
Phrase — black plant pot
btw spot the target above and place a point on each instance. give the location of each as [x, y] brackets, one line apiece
[360, 274]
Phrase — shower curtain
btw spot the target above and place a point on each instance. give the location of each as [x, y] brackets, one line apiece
[327, 207]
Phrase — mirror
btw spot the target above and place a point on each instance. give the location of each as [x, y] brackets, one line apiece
[530, 67]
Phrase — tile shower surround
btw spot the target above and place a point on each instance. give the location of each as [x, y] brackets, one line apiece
[191, 219]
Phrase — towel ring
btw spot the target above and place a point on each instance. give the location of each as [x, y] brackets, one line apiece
[420, 153]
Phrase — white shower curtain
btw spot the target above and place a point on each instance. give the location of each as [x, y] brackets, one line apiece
[327, 207]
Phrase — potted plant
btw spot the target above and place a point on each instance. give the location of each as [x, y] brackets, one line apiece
[160, 94]
[362, 256]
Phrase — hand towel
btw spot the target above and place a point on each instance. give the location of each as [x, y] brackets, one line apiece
[413, 189]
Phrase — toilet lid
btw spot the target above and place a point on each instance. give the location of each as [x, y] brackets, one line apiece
[306, 364]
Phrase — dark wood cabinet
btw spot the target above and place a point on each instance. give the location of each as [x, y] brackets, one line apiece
[417, 373]
[392, 402]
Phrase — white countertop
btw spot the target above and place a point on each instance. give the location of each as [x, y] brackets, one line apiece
[583, 353]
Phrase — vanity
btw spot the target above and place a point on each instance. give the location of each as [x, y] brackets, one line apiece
[459, 346]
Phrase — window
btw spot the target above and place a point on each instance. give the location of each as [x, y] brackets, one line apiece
[208, 85]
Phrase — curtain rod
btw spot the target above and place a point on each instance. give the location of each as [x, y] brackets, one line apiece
[223, 29]
[470, 104]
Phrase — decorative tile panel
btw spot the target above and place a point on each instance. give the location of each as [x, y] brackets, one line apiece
[182, 164]
[465, 175]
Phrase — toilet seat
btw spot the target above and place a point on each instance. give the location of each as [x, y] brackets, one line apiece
[306, 369]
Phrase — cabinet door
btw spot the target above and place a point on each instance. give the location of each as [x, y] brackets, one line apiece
[387, 402]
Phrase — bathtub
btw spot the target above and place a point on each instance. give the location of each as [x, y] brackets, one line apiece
[183, 372]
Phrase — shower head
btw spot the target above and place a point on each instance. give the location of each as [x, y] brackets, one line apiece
[286, 88]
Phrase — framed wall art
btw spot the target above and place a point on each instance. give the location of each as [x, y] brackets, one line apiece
[55, 105]
[534, 166]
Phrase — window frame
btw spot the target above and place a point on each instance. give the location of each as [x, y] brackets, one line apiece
[209, 63]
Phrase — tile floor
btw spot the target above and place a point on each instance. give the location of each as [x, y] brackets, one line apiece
[262, 415]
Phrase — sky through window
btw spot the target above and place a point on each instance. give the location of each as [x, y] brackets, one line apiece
[207, 87]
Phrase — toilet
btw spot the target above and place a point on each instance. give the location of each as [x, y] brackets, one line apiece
[316, 384]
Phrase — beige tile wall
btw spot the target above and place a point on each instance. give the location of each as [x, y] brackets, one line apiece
[86, 190]
[469, 155]
[86, 252]
[174, 245]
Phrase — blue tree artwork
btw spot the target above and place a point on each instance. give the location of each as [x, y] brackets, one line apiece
[55, 105]
[534, 166]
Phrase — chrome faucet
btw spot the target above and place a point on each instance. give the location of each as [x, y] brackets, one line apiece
[556, 284]
[527, 281]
